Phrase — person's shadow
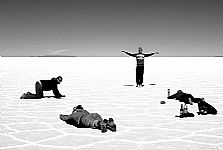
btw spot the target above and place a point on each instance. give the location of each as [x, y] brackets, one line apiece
[152, 84]
[128, 85]
[133, 85]
[48, 96]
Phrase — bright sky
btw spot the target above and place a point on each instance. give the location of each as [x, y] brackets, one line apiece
[105, 27]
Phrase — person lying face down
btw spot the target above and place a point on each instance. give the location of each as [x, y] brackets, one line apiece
[203, 107]
[81, 118]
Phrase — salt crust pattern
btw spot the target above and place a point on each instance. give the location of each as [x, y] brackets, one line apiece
[106, 86]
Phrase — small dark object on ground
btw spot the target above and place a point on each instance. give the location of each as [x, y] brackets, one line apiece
[162, 102]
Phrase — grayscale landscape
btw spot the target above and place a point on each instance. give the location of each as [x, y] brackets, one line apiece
[106, 85]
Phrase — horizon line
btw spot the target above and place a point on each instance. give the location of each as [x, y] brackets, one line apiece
[102, 56]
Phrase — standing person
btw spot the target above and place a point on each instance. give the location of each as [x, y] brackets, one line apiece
[45, 85]
[140, 64]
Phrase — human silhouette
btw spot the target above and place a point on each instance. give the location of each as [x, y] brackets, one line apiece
[140, 64]
[182, 97]
[45, 85]
[81, 118]
[203, 107]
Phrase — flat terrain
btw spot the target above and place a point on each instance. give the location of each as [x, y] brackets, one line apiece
[106, 85]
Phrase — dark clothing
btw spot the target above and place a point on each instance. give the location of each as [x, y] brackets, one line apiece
[44, 85]
[48, 85]
[139, 74]
[182, 97]
[139, 57]
[39, 90]
[29, 95]
[140, 65]
[205, 108]
[82, 119]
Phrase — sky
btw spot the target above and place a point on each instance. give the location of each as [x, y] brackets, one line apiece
[106, 27]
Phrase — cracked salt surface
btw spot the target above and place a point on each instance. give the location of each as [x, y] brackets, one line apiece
[99, 84]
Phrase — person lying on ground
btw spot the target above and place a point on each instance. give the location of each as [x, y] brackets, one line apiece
[81, 118]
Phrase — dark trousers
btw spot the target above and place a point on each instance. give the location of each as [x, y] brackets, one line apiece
[139, 74]
[39, 90]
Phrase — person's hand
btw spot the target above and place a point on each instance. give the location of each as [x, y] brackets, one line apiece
[156, 52]
[58, 97]
[123, 51]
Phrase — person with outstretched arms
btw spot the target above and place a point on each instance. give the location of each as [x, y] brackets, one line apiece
[140, 64]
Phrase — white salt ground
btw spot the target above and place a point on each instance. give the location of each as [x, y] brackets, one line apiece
[106, 85]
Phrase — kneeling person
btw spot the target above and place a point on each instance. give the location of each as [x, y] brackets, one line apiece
[45, 85]
[203, 107]
[48, 85]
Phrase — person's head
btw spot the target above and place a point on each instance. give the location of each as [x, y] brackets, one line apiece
[59, 79]
[79, 107]
[140, 50]
[179, 91]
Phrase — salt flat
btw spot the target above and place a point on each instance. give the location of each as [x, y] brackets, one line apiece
[106, 85]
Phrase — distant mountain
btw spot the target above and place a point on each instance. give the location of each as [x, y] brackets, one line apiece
[54, 56]
[42, 56]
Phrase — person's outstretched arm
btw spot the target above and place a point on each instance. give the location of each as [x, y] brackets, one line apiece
[150, 54]
[57, 93]
[130, 54]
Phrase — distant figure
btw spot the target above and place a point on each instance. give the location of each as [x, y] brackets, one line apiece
[140, 64]
[203, 107]
[81, 118]
[182, 97]
[45, 85]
